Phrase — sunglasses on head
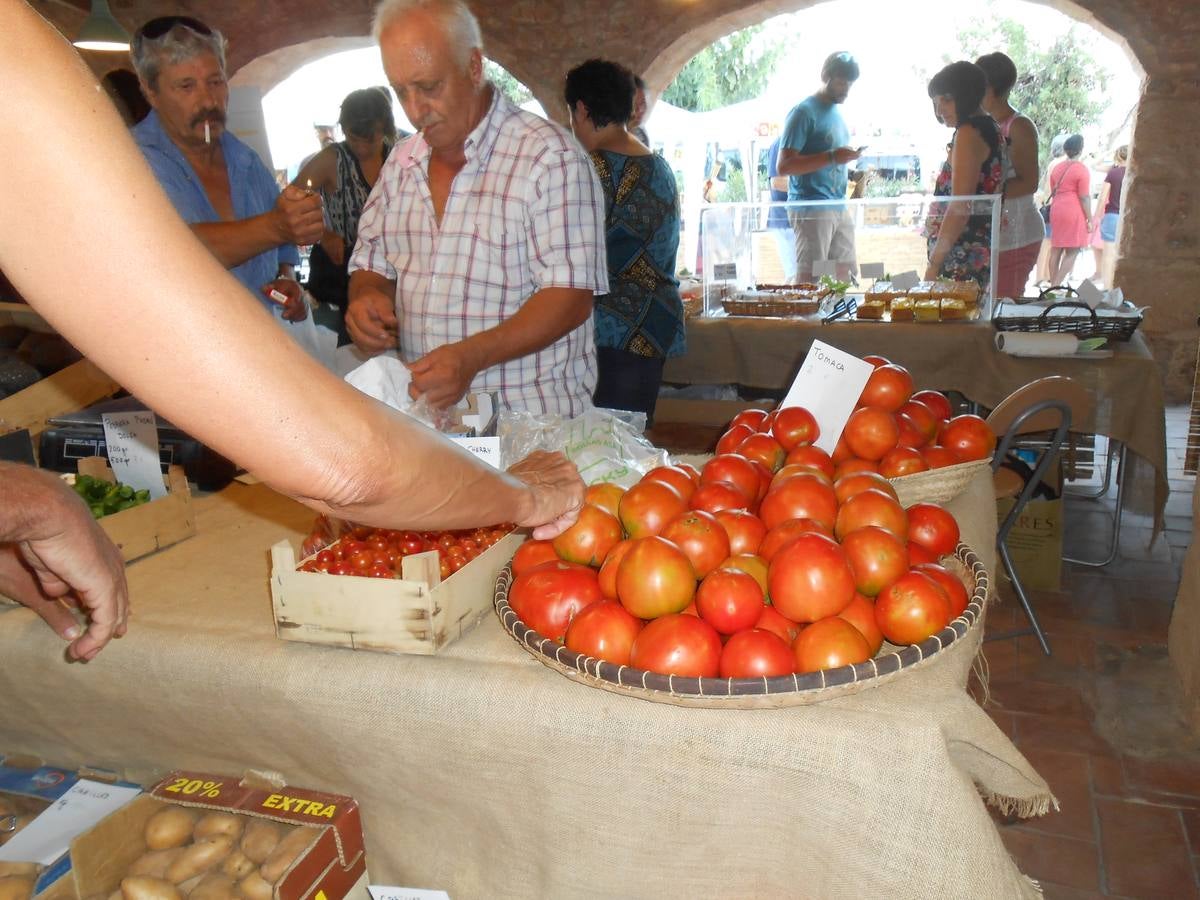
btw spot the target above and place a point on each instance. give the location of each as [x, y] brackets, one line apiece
[156, 28]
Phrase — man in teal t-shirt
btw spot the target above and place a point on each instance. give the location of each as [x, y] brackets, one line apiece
[813, 152]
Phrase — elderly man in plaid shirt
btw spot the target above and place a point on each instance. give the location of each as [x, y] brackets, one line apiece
[482, 244]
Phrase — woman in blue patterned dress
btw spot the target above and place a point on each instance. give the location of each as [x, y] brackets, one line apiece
[639, 322]
[960, 239]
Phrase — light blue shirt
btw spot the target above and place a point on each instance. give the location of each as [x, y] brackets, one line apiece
[252, 190]
[814, 126]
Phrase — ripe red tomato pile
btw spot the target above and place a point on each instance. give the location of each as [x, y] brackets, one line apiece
[760, 564]
[377, 552]
[894, 431]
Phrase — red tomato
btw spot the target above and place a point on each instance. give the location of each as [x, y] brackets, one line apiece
[775, 622]
[841, 452]
[922, 418]
[795, 426]
[939, 457]
[691, 470]
[655, 578]
[871, 507]
[809, 579]
[647, 506]
[812, 458]
[675, 477]
[877, 361]
[934, 527]
[936, 401]
[605, 495]
[590, 539]
[871, 432]
[785, 532]
[956, 591]
[801, 497]
[735, 469]
[699, 535]
[729, 600]
[852, 466]
[877, 558]
[746, 530]
[909, 434]
[734, 435]
[756, 653]
[889, 388]
[718, 495]
[919, 554]
[792, 469]
[605, 630]
[608, 571]
[827, 644]
[911, 608]
[532, 554]
[902, 461]
[678, 645]
[969, 437]
[861, 614]
[752, 418]
[751, 564]
[549, 597]
[763, 448]
[857, 482]
[764, 479]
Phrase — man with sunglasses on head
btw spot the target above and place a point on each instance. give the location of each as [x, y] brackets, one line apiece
[813, 153]
[217, 183]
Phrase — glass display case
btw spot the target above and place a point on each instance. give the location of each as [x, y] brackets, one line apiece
[861, 260]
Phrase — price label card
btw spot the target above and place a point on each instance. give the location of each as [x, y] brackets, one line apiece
[379, 892]
[1089, 293]
[872, 270]
[132, 441]
[828, 385]
[905, 280]
[725, 272]
[485, 448]
[824, 267]
[49, 836]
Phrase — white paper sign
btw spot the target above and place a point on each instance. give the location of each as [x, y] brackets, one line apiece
[725, 272]
[905, 280]
[828, 385]
[485, 448]
[1089, 293]
[872, 270]
[49, 836]
[378, 892]
[132, 441]
[824, 267]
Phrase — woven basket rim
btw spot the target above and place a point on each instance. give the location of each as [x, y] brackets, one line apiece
[733, 693]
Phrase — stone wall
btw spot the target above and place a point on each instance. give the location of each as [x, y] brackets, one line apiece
[538, 40]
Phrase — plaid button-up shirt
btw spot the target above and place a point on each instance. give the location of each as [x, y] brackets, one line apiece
[525, 213]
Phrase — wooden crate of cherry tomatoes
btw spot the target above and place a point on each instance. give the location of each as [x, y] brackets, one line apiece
[394, 591]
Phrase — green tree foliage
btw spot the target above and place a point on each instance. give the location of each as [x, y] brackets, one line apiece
[735, 68]
[1060, 87]
[509, 86]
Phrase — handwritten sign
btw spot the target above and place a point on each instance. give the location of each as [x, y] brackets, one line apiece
[824, 267]
[828, 385]
[1089, 293]
[905, 280]
[379, 892]
[725, 272]
[485, 448]
[49, 836]
[132, 441]
[872, 270]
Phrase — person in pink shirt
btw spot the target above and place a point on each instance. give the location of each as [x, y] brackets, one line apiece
[1070, 211]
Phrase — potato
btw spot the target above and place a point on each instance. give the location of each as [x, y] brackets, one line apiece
[259, 840]
[143, 887]
[16, 887]
[199, 858]
[170, 827]
[185, 887]
[214, 886]
[238, 865]
[286, 852]
[154, 862]
[216, 823]
[15, 868]
[255, 887]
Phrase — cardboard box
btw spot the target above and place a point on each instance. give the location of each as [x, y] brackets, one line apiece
[1036, 539]
[334, 865]
[417, 613]
[142, 530]
[77, 386]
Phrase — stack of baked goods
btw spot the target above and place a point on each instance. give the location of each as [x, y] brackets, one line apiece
[878, 300]
[776, 300]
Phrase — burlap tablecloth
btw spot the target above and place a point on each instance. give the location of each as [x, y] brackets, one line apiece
[484, 773]
[1126, 390]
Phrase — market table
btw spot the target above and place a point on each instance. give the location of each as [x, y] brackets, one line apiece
[1126, 390]
[484, 773]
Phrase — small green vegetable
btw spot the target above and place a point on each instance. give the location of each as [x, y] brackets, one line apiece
[105, 498]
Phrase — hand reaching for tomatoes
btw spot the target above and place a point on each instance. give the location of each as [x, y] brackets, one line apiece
[555, 493]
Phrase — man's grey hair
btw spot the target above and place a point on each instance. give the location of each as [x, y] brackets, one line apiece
[458, 22]
[177, 45]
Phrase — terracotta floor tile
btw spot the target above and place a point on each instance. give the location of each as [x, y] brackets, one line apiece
[1069, 778]
[1165, 776]
[1037, 732]
[1059, 860]
[1025, 695]
[1191, 824]
[1062, 892]
[1146, 853]
[1108, 776]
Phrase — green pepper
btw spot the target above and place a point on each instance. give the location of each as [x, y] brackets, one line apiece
[142, 496]
[97, 511]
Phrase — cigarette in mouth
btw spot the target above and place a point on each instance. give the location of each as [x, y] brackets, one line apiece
[207, 133]
[278, 296]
